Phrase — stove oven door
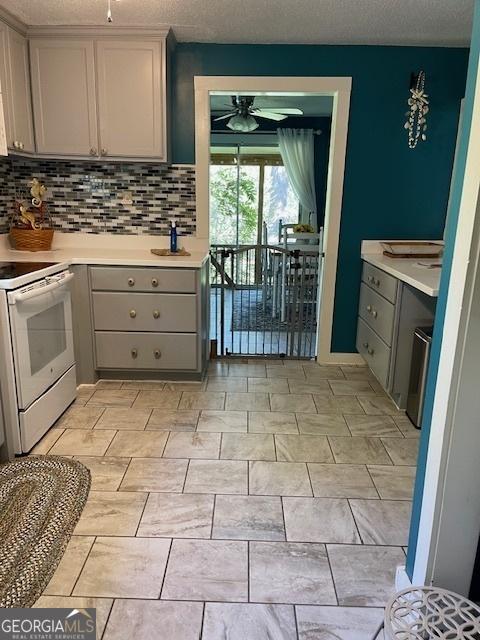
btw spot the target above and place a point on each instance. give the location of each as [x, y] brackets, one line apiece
[41, 326]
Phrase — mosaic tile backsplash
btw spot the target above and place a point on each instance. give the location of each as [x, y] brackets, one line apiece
[105, 197]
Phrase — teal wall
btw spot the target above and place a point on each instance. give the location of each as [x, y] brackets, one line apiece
[390, 191]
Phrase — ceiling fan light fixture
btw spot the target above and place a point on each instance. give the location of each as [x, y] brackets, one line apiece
[242, 124]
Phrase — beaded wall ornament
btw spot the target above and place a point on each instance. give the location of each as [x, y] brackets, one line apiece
[416, 125]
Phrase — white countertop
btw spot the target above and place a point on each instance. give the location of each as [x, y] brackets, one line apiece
[405, 269]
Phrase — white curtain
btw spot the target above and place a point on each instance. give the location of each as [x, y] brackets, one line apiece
[297, 151]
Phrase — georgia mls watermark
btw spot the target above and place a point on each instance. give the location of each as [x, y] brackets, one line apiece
[48, 624]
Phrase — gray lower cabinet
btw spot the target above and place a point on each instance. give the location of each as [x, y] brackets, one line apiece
[144, 322]
[388, 314]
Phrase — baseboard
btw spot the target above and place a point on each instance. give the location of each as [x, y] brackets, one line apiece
[342, 358]
[402, 581]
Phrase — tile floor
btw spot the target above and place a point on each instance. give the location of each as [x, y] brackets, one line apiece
[270, 501]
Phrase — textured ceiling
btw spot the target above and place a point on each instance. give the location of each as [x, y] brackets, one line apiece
[402, 22]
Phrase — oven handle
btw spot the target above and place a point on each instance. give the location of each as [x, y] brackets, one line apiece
[33, 293]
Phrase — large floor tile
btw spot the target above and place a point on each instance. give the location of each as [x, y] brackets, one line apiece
[192, 445]
[217, 368]
[177, 515]
[281, 371]
[357, 372]
[248, 518]
[106, 472]
[198, 400]
[406, 426]
[372, 425]
[144, 619]
[328, 403]
[293, 402]
[67, 572]
[379, 405]
[304, 386]
[364, 576]
[124, 568]
[227, 421]
[314, 371]
[266, 422]
[185, 386]
[341, 481]
[279, 479]
[247, 446]
[173, 420]
[247, 402]
[247, 370]
[102, 606]
[237, 621]
[317, 424]
[154, 474]
[82, 442]
[337, 623]
[382, 521]
[153, 399]
[351, 387]
[402, 450]
[138, 444]
[227, 384]
[393, 483]
[80, 417]
[292, 448]
[217, 476]
[119, 418]
[207, 570]
[268, 385]
[319, 520]
[290, 572]
[111, 513]
[44, 445]
[109, 384]
[143, 385]
[113, 398]
[359, 450]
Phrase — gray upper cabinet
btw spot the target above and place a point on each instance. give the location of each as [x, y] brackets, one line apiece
[64, 100]
[131, 98]
[15, 78]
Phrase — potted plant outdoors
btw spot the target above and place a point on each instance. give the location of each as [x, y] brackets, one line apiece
[29, 226]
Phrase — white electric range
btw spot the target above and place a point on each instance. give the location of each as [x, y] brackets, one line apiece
[38, 380]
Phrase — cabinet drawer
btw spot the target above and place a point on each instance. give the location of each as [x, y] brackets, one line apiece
[155, 351]
[144, 312]
[375, 352]
[138, 279]
[377, 312]
[380, 281]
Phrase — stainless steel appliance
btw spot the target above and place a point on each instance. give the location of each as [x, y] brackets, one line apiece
[422, 340]
[38, 382]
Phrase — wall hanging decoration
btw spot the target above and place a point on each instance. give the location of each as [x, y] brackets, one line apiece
[416, 125]
[29, 227]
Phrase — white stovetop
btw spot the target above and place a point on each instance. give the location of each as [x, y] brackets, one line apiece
[405, 269]
[105, 250]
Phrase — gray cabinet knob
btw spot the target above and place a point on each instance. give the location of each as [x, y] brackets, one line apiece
[131, 282]
[370, 351]
[365, 345]
[157, 353]
[133, 313]
[134, 353]
[154, 282]
[21, 146]
[93, 151]
[103, 152]
[374, 313]
[377, 282]
[369, 307]
[156, 314]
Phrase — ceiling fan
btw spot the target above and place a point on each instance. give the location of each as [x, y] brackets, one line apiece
[243, 112]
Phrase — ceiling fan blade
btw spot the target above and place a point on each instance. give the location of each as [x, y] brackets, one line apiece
[227, 115]
[268, 115]
[290, 112]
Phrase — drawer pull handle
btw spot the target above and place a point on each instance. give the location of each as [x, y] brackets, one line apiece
[377, 282]
[134, 353]
[374, 313]
[156, 313]
[154, 282]
[370, 351]
[157, 353]
[365, 345]
[371, 279]
[133, 313]
[369, 307]
[131, 282]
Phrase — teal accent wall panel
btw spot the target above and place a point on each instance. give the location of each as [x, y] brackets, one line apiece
[390, 191]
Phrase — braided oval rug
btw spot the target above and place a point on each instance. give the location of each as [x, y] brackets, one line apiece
[41, 500]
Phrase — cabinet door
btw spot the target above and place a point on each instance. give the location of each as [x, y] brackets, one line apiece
[4, 82]
[131, 98]
[63, 90]
[20, 96]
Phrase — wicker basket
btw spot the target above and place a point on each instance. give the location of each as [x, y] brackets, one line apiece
[31, 239]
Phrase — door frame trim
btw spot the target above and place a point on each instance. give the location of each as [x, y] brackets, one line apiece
[340, 89]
